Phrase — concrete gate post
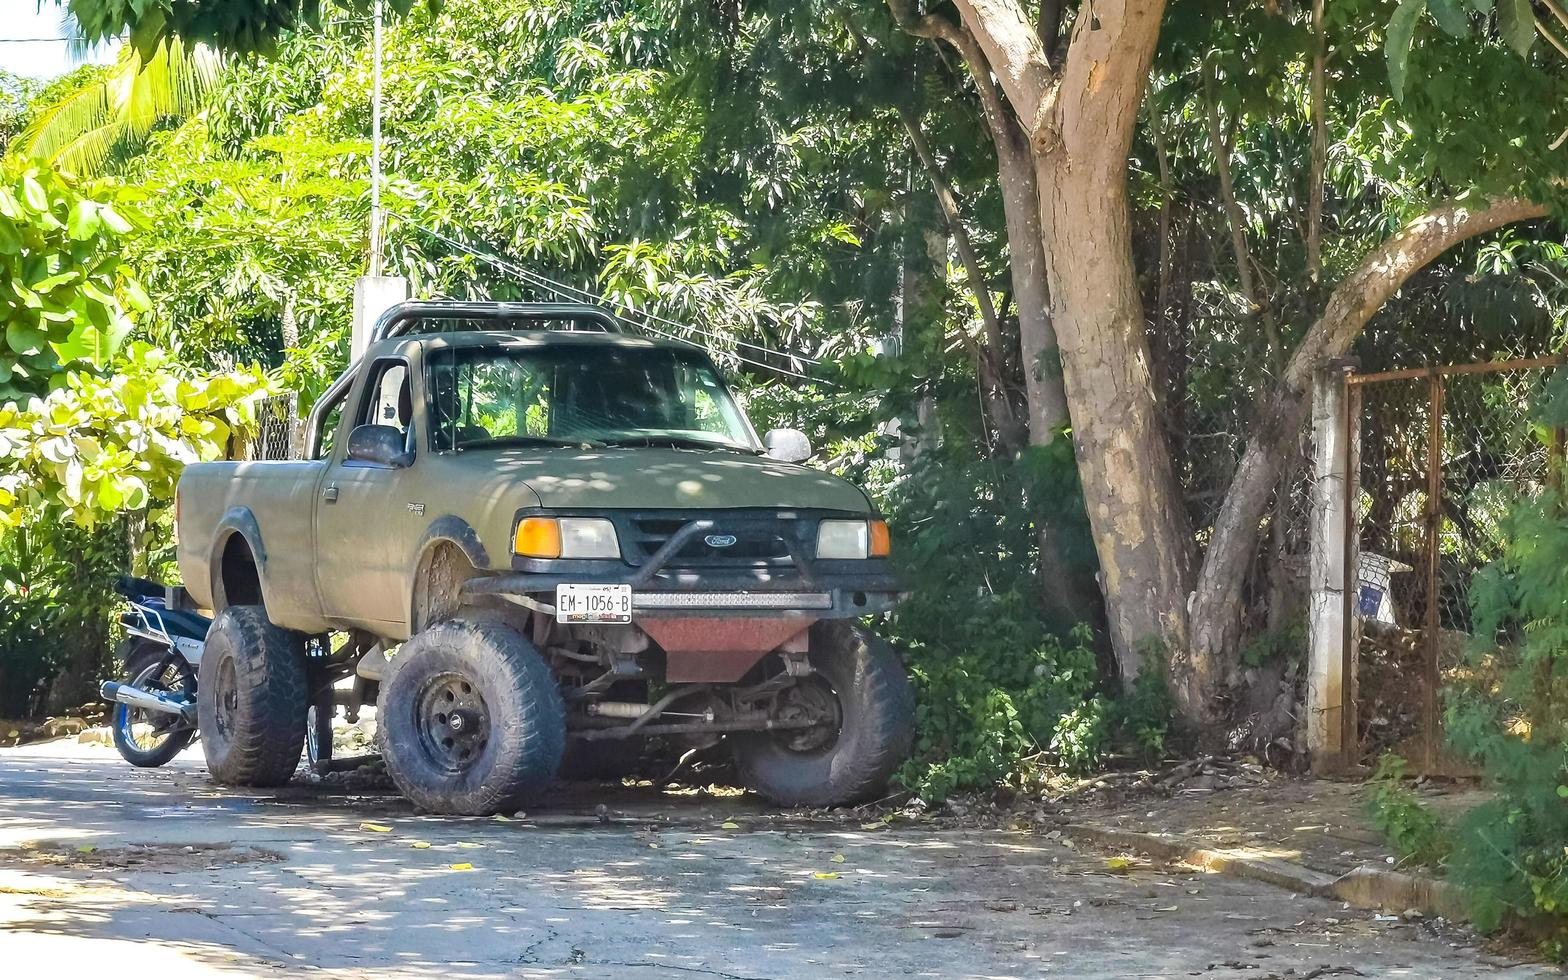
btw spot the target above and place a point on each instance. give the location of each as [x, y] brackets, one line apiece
[1330, 694]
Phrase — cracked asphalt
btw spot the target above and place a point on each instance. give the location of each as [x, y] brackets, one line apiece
[159, 873]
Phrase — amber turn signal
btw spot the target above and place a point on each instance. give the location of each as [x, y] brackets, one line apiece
[538, 537]
[881, 541]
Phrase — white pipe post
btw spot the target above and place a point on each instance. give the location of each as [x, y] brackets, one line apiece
[1327, 688]
[375, 148]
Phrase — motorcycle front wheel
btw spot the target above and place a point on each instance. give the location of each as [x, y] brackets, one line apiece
[148, 739]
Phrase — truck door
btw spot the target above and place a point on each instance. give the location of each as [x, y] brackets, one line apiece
[358, 502]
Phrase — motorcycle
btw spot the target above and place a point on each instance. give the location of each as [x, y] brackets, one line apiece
[154, 717]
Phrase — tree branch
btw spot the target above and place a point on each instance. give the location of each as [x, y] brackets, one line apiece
[1354, 301]
[1015, 55]
[948, 202]
[1317, 91]
[938, 28]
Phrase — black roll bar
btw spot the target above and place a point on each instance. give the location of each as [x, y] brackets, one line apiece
[403, 317]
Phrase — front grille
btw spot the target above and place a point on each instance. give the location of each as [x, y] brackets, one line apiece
[760, 539]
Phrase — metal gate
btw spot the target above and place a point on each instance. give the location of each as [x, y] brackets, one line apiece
[1437, 457]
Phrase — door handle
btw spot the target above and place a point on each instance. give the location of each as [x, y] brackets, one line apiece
[330, 494]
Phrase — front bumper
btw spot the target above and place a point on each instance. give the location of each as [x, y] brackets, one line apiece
[661, 588]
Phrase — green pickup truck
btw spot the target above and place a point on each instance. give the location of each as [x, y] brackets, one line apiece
[530, 537]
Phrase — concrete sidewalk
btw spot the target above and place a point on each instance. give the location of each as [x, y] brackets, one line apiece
[104, 866]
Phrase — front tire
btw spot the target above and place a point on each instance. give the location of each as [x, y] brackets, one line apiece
[859, 679]
[251, 699]
[470, 720]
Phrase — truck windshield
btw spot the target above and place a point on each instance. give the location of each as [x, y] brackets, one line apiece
[570, 394]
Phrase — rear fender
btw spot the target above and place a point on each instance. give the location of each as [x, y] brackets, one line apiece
[236, 521]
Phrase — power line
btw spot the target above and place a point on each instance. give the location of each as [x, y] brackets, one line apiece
[38, 40]
[573, 293]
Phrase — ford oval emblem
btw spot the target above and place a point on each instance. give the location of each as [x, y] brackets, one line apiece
[719, 540]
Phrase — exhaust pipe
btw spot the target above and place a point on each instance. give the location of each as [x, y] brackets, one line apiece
[147, 700]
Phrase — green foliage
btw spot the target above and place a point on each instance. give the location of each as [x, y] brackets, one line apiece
[56, 607]
[1508, 712]
[1416, 833]
[66, 298]
[242, 26]
[1140, 720]
[80, 130]
[998, 693]
[99, 445]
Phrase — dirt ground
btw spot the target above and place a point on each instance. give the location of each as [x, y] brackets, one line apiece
[162, 874]
[1319, 823]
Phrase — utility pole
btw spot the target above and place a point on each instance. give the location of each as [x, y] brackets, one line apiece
[374, 293]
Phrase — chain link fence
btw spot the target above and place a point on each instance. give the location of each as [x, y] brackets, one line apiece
[1440, 455]
[276, 433]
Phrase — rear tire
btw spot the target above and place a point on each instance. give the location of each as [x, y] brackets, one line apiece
[862, 675]
[470, 720]
[251, 699]
[141, 670]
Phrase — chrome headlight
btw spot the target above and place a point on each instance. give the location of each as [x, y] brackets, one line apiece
[852, 539]
[566, 537]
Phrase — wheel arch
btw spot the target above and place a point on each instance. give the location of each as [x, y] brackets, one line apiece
[237, 564]
[449, 554]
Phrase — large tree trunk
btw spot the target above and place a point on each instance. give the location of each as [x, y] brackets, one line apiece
[1130, 491]
[1079, 116]
[1135, 512]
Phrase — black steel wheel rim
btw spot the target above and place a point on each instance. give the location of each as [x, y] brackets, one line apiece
[811, 698]
[226, 699]
[451, 721]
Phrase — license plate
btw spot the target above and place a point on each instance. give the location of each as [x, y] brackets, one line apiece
[593, 603]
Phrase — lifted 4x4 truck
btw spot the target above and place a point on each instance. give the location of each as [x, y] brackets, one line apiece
[531, 538]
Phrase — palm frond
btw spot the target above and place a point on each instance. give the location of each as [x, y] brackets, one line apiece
[81, 131]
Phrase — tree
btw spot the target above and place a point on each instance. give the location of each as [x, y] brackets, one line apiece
[81, 130]
[1077, 93]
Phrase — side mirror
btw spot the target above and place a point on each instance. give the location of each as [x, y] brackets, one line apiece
[787, 445]
[380, 444]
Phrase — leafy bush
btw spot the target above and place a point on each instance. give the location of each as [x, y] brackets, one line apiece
[1415, 832]
[1509, 713]
[56, 614]
[98, 445]
[1139, 721]
[996, 689]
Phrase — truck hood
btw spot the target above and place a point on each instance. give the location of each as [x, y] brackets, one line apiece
[651, 478]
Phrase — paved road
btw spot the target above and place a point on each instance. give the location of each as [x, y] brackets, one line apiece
[159, 874]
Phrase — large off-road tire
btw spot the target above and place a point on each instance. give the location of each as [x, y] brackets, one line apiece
[470, 720]
[168, 735]
[860, 679]
[251, 699]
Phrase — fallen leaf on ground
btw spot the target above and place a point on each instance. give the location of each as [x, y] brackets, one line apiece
[379, 828]
[825, 874]
[464, 843]
[729, 825]
[86, 849]
[1117, 864]
[465, 866]
[501, 818]
[420, 845]
[838, 859]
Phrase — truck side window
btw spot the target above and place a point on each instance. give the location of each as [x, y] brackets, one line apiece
[389, 399]
[329, 428]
